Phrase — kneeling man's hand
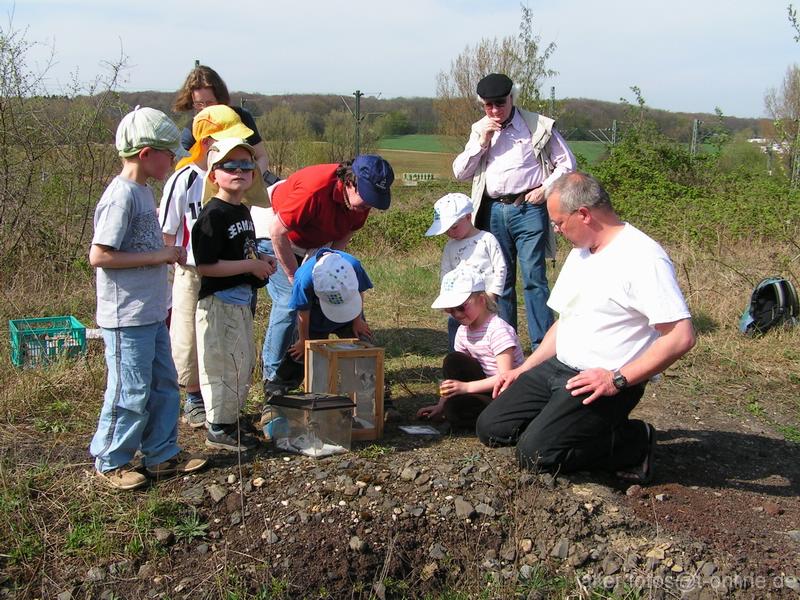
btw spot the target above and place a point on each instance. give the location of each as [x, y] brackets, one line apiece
[595, 382]
[504, 380]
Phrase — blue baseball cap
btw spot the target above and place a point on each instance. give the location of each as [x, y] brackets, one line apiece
[374, 177]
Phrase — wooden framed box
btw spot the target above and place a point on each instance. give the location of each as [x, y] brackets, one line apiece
[352, 368]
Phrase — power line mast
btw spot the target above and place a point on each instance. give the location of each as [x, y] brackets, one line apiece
[795, 178]
[358, 117]
[695, 132]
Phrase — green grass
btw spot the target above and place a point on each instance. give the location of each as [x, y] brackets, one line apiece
[421, 143]
[591, 151]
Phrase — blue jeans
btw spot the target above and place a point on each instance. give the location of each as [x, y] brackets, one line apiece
[521, 232]
[142, 399]
[282, 319]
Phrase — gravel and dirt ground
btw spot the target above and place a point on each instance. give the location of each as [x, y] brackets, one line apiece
[430, 516]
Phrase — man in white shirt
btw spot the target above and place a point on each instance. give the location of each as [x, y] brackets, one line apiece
[513, 156]
[622, 320]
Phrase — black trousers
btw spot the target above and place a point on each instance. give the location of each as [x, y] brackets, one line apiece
[462, 411]
[554, 431]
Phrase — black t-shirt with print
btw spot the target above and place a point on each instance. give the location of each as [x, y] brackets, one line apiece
[224, 232]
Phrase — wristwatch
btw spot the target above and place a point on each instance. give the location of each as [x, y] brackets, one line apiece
[620, 382]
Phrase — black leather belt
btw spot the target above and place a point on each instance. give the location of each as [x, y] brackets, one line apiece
[509, 198]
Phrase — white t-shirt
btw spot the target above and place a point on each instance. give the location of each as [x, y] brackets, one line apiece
[482, 252]
[609, 301]
[180, 206]
[486, 342]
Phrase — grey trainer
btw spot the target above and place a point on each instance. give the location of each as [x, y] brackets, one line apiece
[226, 439]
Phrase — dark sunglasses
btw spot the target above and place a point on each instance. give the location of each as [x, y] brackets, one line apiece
[231, 166]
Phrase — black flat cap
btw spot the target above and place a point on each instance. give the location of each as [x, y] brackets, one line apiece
[495, 85]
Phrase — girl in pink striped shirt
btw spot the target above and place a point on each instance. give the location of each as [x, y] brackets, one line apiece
[485, 346]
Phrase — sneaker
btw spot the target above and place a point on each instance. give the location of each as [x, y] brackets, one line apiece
[181, 463]
[225, 439]
[194, 414]
[125, 477]
[643, 472]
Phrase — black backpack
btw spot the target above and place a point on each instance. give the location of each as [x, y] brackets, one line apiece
[773, 302]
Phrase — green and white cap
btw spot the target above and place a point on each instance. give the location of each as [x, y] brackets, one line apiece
[145, 127]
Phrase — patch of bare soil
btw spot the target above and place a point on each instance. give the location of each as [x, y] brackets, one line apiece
[434, 514]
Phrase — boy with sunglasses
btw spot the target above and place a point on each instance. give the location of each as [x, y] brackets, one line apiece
[224, 242]
[180, 206]
[142, 399]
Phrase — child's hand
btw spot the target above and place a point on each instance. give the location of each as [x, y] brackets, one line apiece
[270, 261]
[452, 387]
[297, 350]
[172, 254]
[360, 329]
[261, 268]
[183, 256]
[434, 412]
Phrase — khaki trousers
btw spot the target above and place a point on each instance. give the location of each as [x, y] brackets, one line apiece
[182, 336]
[226, 355]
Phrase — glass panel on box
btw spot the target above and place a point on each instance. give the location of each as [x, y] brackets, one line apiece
[357, 379]
[318, 372]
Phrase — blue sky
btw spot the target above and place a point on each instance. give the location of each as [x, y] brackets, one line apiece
[685, 55]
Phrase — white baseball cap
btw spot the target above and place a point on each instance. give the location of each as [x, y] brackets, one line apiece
[447, 210]
[336, 286]
[458, 285]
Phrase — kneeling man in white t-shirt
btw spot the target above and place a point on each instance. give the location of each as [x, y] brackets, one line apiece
[622, 320]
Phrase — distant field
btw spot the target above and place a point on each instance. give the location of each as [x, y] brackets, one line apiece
[405, 161]
[421, 143]
[591, 151]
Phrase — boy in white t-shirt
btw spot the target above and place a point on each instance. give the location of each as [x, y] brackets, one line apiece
[452, 215]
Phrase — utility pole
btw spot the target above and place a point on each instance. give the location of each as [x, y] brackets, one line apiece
[795, 176]
[695, 131]
[357, 116]
[614, 132]
[552, 102]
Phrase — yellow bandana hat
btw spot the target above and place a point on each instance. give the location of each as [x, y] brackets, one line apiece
[219, 122]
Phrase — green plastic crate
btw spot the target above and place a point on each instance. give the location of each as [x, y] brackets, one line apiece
[38, 341]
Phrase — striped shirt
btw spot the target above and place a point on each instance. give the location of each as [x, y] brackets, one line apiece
[487, 341]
